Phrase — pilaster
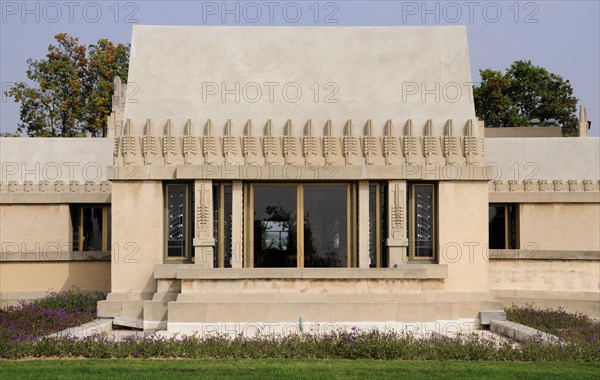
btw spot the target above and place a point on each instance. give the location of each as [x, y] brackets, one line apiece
[204, 241]
[397, 240]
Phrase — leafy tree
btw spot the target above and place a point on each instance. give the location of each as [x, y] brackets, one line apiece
[73, 88]
[523, 93]
[105, 62]
[10, 134]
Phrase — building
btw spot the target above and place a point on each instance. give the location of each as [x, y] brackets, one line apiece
[332, 175]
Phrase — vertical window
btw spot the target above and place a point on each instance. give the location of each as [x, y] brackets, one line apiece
[502, 226]
[422, 228]
[177, 229]
[326, 228]
[274, 222]
[377, 225]
[91, 227]
[222, 199]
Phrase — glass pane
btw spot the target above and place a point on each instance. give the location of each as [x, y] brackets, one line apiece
[92, 228]
[497, 227]
[75, 210]
[373, 226]
[275, 226]
[176, 216]
[216, 223]
[512, 227]
[423, 238]
[109, 227]
[227, 222]
[325, 226]
[383, 225]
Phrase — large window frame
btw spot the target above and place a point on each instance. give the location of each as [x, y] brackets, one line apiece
[188, 221]
[511, 225]
[77, 224]
[378, 252]
[223, 207]
[351, 220]
[412, 222]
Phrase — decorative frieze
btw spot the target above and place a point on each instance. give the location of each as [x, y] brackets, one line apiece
[55, 187]
[149, 144]
[390, 144]
[314, 145]
[543, 186]
[450, 144]
[188, 143]
[209, 144]
[309, 144]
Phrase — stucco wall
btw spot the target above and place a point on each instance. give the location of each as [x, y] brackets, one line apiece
[137, 235]
[556, 226]
[55, 159]
[35, 228]
[572, 284]
[19, 280]
[463, 235]
[545, 275]
[543, 158]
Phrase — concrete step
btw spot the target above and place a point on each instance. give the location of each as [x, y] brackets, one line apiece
[128, 322]
[521, 332]
[323, 311]
[156, 311]
[97, 326]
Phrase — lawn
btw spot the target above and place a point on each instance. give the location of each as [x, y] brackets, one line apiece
[292, 369]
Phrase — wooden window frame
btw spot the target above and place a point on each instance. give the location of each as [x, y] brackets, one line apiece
[411, 222]
[507, 215]
[351, 217]
[220, 223]
[189, 191]
[105, 232]
[380, 215]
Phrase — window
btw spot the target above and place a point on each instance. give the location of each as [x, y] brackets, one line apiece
[222, 201]
[422, 222]
[378, 257]
[326, 212]
[502, 226]
[91, 227]
[177, 221]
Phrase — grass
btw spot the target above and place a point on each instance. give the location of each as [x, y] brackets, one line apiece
[293, 369]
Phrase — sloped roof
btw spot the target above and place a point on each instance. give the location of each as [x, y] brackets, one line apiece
[357, 73]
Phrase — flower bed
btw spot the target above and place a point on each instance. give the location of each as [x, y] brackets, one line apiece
[23, 327]
[31, 320]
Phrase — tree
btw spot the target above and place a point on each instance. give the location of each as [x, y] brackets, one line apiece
[523, 93]
[72, 89]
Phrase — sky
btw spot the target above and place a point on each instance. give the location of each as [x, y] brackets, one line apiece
[561, 36]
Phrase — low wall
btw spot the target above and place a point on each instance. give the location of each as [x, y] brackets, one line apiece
[567, 279]
[34, 279]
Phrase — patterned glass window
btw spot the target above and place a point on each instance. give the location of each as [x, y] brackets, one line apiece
[176, 220]
[422, 227]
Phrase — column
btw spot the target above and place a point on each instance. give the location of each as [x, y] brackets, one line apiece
[204, 238]
[397, 240]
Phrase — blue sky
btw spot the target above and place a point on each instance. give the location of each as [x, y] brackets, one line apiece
[562, 36]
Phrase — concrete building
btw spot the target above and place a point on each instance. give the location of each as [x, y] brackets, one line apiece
[333, 175]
